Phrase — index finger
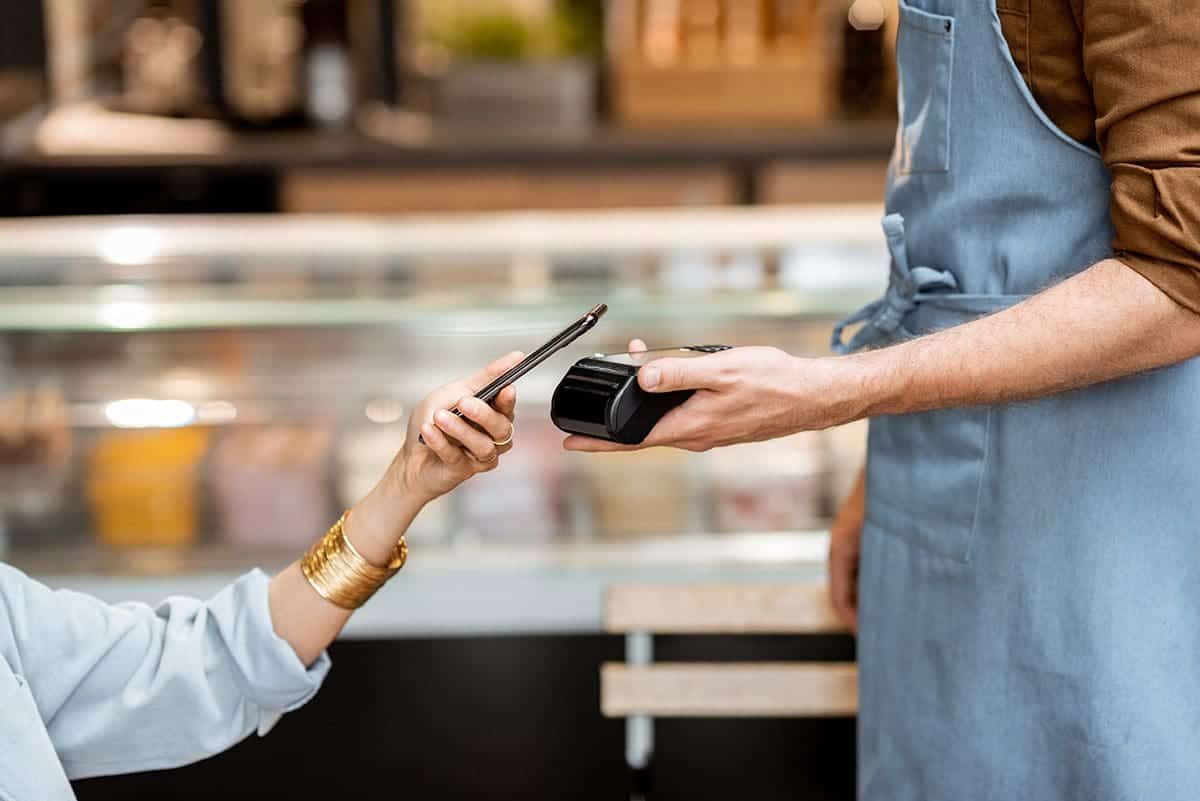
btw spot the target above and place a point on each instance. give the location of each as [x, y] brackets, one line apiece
[582, 444]
[506, 402]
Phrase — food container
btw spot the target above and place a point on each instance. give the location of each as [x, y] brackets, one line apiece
[36, 443]
[550, 98]
[142, 486]
[522, 500]
[716, 64]
[768, 486]
[271, 485]
[643, 493]
[363, 455]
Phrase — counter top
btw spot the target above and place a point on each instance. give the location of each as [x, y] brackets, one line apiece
[467, 589]
[41, 261]
[141, 240]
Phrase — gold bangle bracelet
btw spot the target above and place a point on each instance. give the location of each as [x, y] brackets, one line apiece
[339, 573]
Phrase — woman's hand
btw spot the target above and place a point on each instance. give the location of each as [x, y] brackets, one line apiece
[453, 451]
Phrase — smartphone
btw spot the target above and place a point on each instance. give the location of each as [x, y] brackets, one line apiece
[556, 343]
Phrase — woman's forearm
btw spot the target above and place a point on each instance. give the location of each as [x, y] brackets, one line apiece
[455, 448]
[128, 687]
[308, 622]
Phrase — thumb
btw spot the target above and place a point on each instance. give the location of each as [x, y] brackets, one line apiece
[671, 375]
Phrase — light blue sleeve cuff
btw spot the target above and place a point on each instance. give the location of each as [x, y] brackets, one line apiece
[273, 676]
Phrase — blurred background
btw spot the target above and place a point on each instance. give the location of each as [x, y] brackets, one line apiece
[240, 239]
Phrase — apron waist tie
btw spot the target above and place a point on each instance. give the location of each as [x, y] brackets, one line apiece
[906, 288]
[882, 317]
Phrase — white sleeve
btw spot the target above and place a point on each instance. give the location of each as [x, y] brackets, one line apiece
[131, 687]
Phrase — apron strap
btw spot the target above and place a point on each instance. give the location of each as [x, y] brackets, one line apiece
[906, 288]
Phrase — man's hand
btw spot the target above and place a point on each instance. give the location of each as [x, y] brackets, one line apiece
[742, 395]
[845, 537]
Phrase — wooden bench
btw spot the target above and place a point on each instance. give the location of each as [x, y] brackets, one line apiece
[640, 689]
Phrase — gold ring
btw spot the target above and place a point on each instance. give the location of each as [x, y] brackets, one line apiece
[508, 441]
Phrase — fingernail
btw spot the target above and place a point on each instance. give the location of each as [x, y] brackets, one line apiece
[650, 377]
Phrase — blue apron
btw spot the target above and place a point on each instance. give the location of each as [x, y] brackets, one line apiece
[1030, 576]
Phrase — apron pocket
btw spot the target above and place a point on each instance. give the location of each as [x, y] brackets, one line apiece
[925, 54]
[924, 475]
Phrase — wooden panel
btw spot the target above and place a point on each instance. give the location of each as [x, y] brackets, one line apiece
[361, 192]
[721, 609]
[729, 75]
[730, 690]
[762, 95]
[823, 182]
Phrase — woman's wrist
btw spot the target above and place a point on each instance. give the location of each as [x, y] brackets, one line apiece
[336, 570]
[376, 523]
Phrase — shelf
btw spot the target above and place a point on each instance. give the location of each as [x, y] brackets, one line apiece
[84, 160]
[460, 590]
[332, 241]
[441, 149]
[67, 310]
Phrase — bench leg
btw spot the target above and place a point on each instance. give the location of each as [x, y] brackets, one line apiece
[639, 729]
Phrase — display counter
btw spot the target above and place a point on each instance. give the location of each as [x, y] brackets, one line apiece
[182, 399]
[465, 590]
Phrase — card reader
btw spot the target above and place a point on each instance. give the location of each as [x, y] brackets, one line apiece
[600, 396]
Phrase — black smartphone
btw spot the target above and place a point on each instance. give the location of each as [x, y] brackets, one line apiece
[556, 343]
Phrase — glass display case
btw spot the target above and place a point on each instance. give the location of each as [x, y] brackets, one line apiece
[184, 397]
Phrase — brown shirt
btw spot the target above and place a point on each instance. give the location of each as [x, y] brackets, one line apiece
[1124, 76]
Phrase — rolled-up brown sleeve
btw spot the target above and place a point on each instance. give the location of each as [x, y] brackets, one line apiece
[1142, 59]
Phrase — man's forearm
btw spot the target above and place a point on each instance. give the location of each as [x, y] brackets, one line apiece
[1105, 323]
[1108, 322]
